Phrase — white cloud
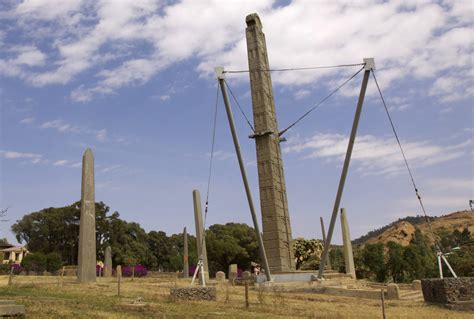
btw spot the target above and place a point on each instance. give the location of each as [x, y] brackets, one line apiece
[111, 168]
[61, 163]
[128, 42]
[61, 126]
[33, 158]
[375, 155]
[222, 155]
[16, 155]
[27, 120]
[101, 135]
[46, 10]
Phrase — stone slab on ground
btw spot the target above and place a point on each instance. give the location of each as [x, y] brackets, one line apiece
[193, 293]
[11, 309]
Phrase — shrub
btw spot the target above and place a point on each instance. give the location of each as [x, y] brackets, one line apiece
[53, 262]
[17, 269]
[99, 270]
[34, 262]
[140, 271]
[4, 269]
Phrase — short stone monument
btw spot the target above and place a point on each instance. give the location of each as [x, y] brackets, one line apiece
[416, 285]
[86, 271]
[346, 240]
[233, 272]
[108, 262]
[220, 276]
[393, 292]
[185, 255]
[247, 275]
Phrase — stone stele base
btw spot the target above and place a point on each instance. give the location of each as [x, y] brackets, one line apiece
[193, 293]
[455, 293]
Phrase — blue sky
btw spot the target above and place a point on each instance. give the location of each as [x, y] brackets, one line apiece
[133, 80]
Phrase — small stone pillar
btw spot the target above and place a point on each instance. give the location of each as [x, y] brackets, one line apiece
[185, 255]
[220, 276]
[346, 240]
[108, 262]
[233, 272]
[246, 275]
[118, 271]
[86, 271]
[393, 292]
[416, 285]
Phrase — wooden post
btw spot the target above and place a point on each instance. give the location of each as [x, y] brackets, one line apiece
[133, 272]
[383, 304]
[119, 278]
[62, 275]
[246, 294]
[10, 279]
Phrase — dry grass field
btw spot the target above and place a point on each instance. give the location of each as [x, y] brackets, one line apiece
[51, 297]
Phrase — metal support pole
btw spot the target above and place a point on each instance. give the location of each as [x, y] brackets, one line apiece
[449, 266]
[323, 231]
[369, 66]
[440, 266]
[220, 76]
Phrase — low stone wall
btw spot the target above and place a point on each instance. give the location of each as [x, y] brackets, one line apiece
[449, 290]
[193, 293]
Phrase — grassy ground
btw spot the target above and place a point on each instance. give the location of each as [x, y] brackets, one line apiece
[49, 297]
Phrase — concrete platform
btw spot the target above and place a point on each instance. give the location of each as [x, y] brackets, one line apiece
[301, 276]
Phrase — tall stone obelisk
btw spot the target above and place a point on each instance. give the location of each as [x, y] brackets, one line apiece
[200, 238]
[86, 271]
[273, 201]
[186, 254]
[346, 241]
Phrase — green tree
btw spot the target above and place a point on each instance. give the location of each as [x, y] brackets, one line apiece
[53, 262]
[374, 259]
[336, 256]
[231, 243]
[395, 262]
[307, 253]
[34, 262]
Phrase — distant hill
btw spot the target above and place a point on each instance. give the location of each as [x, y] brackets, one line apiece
[402, 231]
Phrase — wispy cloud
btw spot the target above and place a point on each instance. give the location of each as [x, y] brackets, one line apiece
[221, 155]
[375, 155]
[27, 120]
[61, 126]
[61, 163]
[33, 158]
[99, 36]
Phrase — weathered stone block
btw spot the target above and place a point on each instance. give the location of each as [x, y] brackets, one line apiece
[393, 291]
[8, 308]
[416, 285]
[449, 291]
[233, 272]
[220, 276]
[247, 275]
[193, 293]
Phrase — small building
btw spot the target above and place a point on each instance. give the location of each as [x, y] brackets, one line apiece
[13, 254]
